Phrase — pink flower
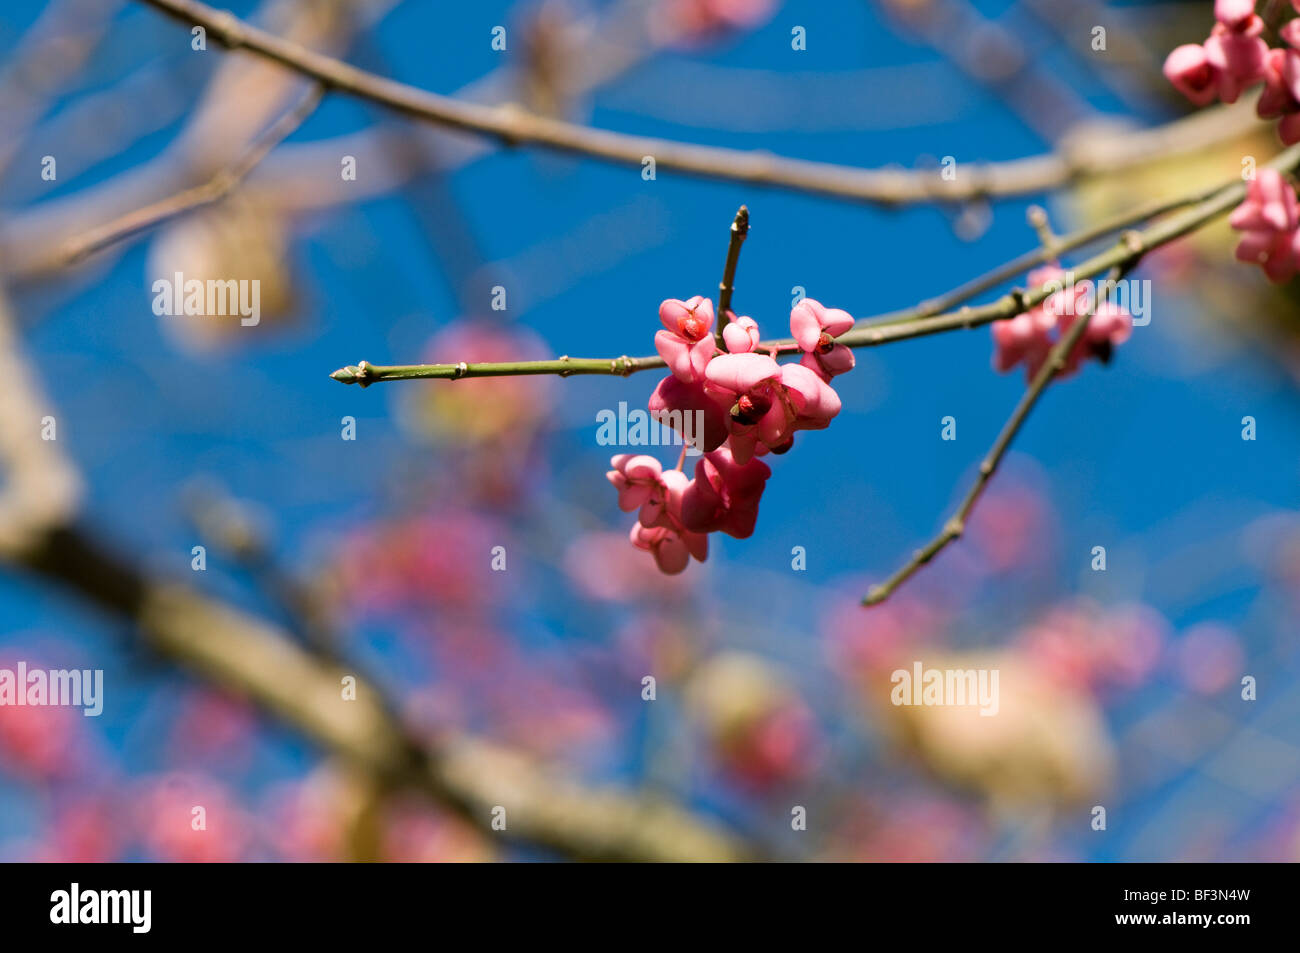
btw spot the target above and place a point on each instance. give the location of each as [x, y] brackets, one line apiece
[642, 482]
[768, 401]
[741, 335]
[1270, 220]
[1028, 338]
[1234, 14]
[813, 402]
[1237, 58]
[639, 480]
[1108, 328]
[724, 495]
[1189, 69]
[672, 550]
[672, 402]
[1277, 97]
[1288, 130]
[1022, 338]
[1270, 204]
[814, 327]
[687, 344]
[747, 384]
[1290, 33]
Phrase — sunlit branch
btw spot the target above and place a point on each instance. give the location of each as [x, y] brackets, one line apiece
[515, 126]
[1183, 215]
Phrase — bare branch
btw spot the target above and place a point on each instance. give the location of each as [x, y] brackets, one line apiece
[920, 321]
[956, 525]
[514, 126]
[727, 286]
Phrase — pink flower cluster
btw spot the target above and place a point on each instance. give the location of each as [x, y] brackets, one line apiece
[749, 405]
[1270, 220]
[1235, 57]
[1029, 337]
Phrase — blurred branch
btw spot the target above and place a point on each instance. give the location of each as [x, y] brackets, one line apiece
[238, 103]
[65, 33]
[470, 776]
[214, 190]
[997, 58]
[921, 321]
[41, 488]
[261, 662]
[514, 127]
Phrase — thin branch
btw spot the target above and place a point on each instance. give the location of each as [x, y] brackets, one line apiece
[214, 190]
[517, 127]
[727, 286]
[1055, 364]
[898, 326]
[1116, 262]
[470, 776]
[1042, 255]
[366, 373]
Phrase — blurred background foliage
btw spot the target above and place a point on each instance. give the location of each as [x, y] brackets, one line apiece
[1119, 688]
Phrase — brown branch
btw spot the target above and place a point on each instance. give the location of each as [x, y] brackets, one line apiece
[514, 126]
[470, 776]
[934, 316]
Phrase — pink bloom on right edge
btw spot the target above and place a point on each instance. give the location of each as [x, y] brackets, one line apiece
[1230, 61]
[1270, 220]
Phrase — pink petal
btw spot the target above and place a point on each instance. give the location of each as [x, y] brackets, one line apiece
[805, 324]
[835, 322]
[674, 399]
[1189, 69]
[1234, 14]
[1288, 129]
[741, 373]
[676, 353]
[671, 555]
[741, 335]
[814, 398]
[743, 446]
[700, 352]
[672, 312]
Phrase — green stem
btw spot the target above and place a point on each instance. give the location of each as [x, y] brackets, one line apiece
[727, 286]
[920, 321]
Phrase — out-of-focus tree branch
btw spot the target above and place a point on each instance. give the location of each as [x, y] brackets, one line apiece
[214, 190]
[514, 126]
[39, 534]
[927, 318]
